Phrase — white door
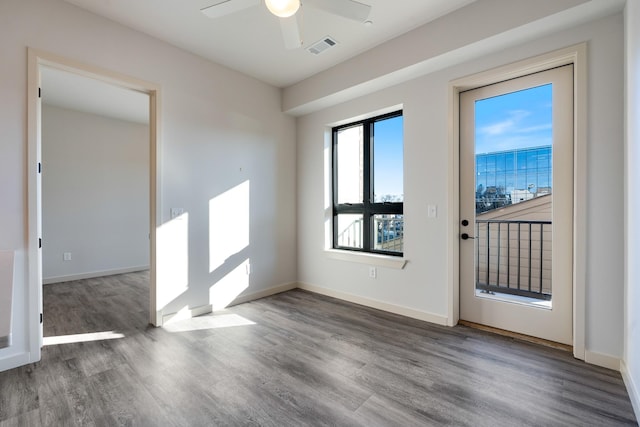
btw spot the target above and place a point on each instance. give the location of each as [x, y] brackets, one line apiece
[516, 205]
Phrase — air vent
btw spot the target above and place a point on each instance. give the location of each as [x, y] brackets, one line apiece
[324, 44]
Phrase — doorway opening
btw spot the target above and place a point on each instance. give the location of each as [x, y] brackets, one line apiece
[486, 233]
[38, 60]
[516, 204]
[95, 201]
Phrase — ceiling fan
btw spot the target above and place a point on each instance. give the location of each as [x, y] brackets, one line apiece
[288, 12]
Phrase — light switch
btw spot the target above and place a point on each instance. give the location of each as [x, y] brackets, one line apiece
[432, 211]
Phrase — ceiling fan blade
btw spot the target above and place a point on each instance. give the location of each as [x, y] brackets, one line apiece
[291, 32]
[226, 7]
[349, 9]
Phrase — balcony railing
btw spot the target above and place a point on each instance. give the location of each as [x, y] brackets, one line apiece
[388, 234]
[514, 257]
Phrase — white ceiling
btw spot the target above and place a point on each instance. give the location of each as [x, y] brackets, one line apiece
[250, 40]
[75, 92]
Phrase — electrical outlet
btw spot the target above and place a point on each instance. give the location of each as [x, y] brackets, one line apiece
[66, 256]
[373, 272]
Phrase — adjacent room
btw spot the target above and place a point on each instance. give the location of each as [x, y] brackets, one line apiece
[319, 212]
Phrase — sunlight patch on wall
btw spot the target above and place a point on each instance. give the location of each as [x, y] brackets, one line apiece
[222, 293]
[229, 220]
[172, 260]
[76, 338]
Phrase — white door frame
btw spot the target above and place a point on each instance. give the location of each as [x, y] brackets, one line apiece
[575, 55]
[37, 58]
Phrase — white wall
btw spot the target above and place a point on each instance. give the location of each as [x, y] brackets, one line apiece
[219, 129]
[95, 194]
[631, 365]
[422, 286]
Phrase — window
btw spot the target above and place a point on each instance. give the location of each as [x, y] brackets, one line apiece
[367, 185]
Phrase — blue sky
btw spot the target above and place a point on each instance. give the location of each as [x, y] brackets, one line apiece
[388, 157]
[520, 119]
[516, 120]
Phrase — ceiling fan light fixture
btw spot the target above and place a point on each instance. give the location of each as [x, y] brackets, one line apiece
[282, 8]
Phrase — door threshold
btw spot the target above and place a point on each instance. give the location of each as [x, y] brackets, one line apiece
[517, 336]
[516, 299]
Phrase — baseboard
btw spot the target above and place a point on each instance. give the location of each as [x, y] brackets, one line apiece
[632, 388]
[188, 313]
[603, 360]
[14, 361]
[379, 305]
[93, 274]
[264, 293]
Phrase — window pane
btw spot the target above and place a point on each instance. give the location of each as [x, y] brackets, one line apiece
[513, 135]
[387, 160]
[350, 168]
[350, 230]
[509, 161]
[388, 232]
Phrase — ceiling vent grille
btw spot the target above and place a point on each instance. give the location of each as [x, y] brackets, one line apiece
[324, 44]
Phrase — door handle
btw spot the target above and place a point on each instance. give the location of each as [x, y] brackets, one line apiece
[465, 236]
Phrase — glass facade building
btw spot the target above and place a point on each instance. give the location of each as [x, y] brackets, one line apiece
[507, 177]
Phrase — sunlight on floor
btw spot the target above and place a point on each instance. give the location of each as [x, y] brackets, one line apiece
[76, 338]
[212, 321]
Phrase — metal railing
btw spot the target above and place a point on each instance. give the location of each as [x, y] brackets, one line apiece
[388, 234]
[514, 257]
[351, 236]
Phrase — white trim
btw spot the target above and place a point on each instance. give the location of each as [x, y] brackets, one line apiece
[186, 314]
[92, 274]
[388, 261]
[632, 388]
[453, 220]
[15, 361]
[205, 309]
[580, 201]
[34, 260]
[603, 360]
[37, 58]
[576, 55]
[263, 293]
[379, 305]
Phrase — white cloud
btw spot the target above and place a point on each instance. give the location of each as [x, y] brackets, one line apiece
[505, 126]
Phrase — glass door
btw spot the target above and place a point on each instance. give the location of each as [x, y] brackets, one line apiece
[516, 201]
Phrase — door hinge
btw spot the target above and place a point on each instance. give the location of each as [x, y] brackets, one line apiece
[39, 167]
[39, 92]
[40, 242]
[40, 317]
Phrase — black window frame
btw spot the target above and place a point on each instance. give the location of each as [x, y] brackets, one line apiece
[368, 208]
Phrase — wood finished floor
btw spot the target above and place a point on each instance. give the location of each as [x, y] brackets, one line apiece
[293, 359]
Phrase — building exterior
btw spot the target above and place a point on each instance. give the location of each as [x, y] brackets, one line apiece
[513, 176]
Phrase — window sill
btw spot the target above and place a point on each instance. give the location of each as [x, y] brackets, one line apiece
[396, 263]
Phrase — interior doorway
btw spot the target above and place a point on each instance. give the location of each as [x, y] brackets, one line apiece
[516, 205]
[37, 60]
[95, 191]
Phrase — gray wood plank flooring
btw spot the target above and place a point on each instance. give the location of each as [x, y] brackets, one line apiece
[293, 359]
